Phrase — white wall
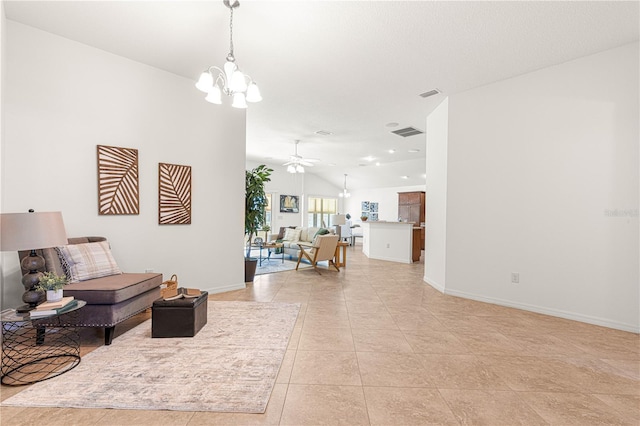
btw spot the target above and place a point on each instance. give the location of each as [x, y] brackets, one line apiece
[387, 199]
[63, 98]
[543, 181]
[3, 62]
[436, 193]
[304, 185]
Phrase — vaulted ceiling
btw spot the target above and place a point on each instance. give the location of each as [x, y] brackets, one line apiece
[349, 68]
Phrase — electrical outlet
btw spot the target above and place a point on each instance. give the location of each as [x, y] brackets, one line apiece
[148, 270]
[515, 277]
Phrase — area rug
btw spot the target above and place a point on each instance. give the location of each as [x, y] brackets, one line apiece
[276, 265]
[229, 366]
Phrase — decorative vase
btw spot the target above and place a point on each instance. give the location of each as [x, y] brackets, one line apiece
[54, 295]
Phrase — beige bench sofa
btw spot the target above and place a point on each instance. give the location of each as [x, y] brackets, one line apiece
[111, 299]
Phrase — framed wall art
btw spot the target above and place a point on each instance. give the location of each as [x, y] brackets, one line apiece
[289, 204]
[369, 210]
[118, 185]
[174, 194]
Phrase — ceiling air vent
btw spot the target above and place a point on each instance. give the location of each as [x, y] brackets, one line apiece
[429, 93]
[323, 133]
[407, 131]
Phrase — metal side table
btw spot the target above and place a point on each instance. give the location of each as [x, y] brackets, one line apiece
[34, 350]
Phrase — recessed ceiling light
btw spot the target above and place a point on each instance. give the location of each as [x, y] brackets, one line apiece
[404, 177]
[323, 133]
[392, 124]
[369, 158]
[424, 176]
[377, 164]
[392, 151]
[414, 150]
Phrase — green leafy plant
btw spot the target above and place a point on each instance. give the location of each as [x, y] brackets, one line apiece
[255, 201]
[51, 281]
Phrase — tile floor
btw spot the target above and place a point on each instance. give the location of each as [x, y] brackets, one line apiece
[375, 345]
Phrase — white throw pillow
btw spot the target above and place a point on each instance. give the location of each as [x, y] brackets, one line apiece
[87, 261]
[292, 234]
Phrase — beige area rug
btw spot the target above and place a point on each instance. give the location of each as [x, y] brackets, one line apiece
[229, 366]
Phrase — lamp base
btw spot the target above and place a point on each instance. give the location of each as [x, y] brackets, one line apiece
[33, 263]
[24, 308]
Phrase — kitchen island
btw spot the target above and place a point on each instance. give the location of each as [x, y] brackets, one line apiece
[392, 241]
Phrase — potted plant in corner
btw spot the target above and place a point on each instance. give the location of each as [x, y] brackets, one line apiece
[254, 212]
[52, 284]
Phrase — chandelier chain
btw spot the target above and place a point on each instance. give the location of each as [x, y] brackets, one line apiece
[231, 33]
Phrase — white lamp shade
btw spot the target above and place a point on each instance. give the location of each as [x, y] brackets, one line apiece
[338, 219]
[291, 168]
[205, 82]
[27, 231]
[214, 96]
[253, 93]
[239, 101]
[299, 169]
[238, 82]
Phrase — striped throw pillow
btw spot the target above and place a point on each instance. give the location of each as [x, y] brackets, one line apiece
[87, 261]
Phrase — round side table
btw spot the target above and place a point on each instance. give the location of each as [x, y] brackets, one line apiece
[34, 350]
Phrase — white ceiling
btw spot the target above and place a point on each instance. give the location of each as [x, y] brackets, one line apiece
[347, 67]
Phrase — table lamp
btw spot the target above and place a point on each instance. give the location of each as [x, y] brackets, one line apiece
[337, 220]
[31, 231]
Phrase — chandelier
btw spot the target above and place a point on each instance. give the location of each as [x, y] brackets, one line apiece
[345, 193]
[229, 80]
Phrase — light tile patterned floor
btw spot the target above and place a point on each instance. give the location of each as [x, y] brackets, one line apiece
[374, 345]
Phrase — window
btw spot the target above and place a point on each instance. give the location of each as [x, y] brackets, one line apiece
[319, 211]
[267, 211]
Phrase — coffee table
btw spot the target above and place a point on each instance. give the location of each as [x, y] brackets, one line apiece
[269, 246]
[34, 350]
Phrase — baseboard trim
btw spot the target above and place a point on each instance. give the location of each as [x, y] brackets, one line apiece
[391, 259]
[231, 287]
[543, 310]
[433, 284]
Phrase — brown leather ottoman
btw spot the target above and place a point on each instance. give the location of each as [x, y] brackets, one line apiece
[180, 317]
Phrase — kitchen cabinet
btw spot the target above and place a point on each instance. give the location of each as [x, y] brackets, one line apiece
[411, 208]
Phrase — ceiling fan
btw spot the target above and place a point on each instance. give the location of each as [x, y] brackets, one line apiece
[296, 163]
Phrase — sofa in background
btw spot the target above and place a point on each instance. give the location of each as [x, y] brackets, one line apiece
[292, 238]
[110, 299]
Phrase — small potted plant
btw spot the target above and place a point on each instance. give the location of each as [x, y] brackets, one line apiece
[266, 229]
[364, 218]
[52, 284]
